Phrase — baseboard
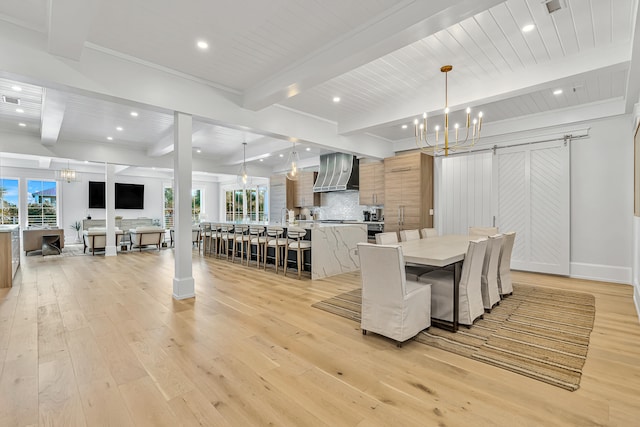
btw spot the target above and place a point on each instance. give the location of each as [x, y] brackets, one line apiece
[602, 273]
[183, 288]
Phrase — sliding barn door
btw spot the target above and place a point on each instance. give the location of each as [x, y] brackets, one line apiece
[465, 196]
[531, 196]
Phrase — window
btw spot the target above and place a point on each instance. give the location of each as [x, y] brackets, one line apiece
[9, 201]
[42, 203]
[254, 210]
[196, 201]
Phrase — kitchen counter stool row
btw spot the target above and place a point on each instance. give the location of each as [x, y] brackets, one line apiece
[273, 243]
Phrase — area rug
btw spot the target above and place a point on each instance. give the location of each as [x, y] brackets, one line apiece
[539, 332]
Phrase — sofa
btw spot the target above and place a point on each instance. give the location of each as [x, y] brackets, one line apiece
[146, 236]
[95, 238]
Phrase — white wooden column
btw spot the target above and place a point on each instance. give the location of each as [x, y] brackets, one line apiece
[110, 215]
[183, 283]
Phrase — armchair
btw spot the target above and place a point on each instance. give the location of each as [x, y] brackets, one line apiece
[96, 238]
[146, 236]
[391, 305]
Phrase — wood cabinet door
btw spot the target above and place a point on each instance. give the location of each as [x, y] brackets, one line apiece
[303, 190]
[378, 179]
[367, 184]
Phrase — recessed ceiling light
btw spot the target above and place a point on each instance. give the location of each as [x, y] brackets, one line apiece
[22, 125]
[281, 155]
[202, 45]
[308, 148]
[134, 113]
[119, 128]
[198, 150]
[527, 28]
[19, 110]
[336, 99]
[557, 91]
[86, 162]
[154, 168]
[110, 138]
[404, 126]
[262, 160]
[16, 88]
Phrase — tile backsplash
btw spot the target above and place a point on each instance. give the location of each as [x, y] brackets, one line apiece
[341, 205]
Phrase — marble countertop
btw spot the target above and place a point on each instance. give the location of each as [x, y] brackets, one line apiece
[302, 224]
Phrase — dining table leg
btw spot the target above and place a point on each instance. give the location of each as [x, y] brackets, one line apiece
[456, 294]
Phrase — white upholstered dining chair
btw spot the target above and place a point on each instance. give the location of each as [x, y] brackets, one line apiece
[482, 231]
[428, 232]
[391, 305]
[407, 235]
[489, 279]
[504, 264]
[387, 238]
[412, 271]
[470, 295]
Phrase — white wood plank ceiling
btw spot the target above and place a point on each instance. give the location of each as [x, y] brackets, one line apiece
[255, 47]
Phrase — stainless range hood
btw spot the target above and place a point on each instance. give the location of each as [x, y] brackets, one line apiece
[338, 172]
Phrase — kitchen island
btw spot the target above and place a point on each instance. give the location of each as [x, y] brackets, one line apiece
[333, 246]
[9, 254]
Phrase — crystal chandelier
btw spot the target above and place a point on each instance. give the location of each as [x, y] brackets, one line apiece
[432, 146]
[292, 164]
[243, 176]
[67, 174]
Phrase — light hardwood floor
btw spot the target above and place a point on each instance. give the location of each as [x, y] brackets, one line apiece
[99, 341]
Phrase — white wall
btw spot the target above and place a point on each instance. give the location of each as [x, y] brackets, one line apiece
[601, 193]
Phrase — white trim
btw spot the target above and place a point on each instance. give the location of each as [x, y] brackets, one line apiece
[111, 251]
[603, 273]
[636, 299]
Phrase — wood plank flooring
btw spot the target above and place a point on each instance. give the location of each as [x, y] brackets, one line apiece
[100, 341]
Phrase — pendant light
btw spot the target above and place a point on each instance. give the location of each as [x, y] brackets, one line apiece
[292, 164]
[243, 178]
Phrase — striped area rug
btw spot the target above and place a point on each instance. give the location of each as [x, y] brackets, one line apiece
[542, 333]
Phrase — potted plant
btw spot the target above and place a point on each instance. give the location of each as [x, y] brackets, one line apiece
[77, 225]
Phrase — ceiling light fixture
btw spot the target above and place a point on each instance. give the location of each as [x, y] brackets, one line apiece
[557, 92]
[527, 28]
[119, 129]
[281, 155]
[67, 174]
[134, 114]
[22, 125]
[16, 88]
[308, 148]
[198, 150]
[262, 160]
[243, 176]
[336, 99]
[202, 45]
[421, 129]
[404, 126]
[110, 138]
[19, 110]
[292, 163]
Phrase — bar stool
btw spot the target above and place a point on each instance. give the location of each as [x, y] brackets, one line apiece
[226, 235]
[295, 236]
[275, 241]
[205, 236]
[241, 236]
[215, 238]
[256, 232]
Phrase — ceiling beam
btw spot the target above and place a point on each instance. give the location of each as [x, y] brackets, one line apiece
[633, 83]
[69, 25]
[397, 27]
[54, 104]
[474, 92]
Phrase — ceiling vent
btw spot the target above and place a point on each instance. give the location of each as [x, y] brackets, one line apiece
[554, 5]
[10, 100]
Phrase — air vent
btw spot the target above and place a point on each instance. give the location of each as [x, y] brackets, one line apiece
[10, 100]
[554, 5]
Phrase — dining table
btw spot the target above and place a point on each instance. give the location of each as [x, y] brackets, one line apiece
[440, 251]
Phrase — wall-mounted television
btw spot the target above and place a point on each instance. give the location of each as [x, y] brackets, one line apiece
[129, 196]
[97, 198]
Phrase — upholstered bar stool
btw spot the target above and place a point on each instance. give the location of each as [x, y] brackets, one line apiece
[214, 240]
[296, 243]
[275, 241]
[205, 237]
[242, 238]
[226, 236]
[259, 240]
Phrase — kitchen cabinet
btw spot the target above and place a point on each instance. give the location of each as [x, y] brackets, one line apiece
[408, 189]
[372, 183]
[303, 195]
[280, 197]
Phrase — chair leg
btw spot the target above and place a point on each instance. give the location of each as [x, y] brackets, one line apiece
[286, 260]
[364, 332]
[299, 264]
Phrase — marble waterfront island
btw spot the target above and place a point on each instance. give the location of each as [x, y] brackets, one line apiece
[333, 246]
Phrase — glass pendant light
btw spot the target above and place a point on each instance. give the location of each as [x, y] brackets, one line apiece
[243, 176]
[292, 164]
